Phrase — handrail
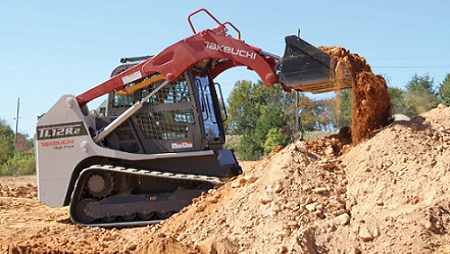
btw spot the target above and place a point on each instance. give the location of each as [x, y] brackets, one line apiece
[221, 25]
[203, 9]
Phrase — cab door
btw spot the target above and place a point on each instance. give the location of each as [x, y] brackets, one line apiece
[213, 111]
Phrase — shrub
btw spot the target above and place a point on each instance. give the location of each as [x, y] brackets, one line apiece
[275, 137]
[20, 164]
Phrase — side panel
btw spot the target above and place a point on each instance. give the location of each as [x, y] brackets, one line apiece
[59, 135]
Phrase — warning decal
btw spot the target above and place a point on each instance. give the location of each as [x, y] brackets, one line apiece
[131, 77]
[182, 145]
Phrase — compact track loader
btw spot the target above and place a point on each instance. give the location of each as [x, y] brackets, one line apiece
[157, 141]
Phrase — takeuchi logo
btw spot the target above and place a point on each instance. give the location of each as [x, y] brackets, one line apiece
[230, 50]
[58, 143]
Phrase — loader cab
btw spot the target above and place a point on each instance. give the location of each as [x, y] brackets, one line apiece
[185, 115]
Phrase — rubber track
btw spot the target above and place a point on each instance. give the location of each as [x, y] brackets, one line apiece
[214, 181]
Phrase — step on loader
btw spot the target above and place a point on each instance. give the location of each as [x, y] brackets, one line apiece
[157, 141]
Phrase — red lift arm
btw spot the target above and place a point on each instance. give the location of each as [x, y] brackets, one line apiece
[178, 58]
[303, 67]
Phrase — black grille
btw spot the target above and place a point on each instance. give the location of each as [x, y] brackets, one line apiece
[166, 125]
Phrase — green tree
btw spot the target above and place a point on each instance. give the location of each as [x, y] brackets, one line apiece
[399, 103]
[421, 84]
[6, 142]
[246, 103]
[237, 105]
[420, 94]
[273, 117]
[15, 162]
[249, 149]
[275, 137]
[20, 164]
[444, 91]
[344, 105]
[253, 140]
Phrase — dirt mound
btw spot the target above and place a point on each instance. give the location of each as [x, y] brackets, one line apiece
[389, 194]
[371, 104]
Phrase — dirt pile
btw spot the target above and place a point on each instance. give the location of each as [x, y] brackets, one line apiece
[389, 194]
[371, 104]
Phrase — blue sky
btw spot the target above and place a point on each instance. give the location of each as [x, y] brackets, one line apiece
[52, 48]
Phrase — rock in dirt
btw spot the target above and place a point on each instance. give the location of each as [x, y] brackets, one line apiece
[365, 234]
[343, 219]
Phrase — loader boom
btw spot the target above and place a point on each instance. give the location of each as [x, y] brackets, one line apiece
[178, 58]
[302, 63]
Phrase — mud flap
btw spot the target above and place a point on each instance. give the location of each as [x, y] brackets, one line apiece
[307, 68]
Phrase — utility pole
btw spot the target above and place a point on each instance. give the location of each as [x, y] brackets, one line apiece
[17, 123]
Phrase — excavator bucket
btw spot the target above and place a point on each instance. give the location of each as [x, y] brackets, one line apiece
[308, 69]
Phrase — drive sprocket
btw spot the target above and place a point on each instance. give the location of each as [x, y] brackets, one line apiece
[100, 184]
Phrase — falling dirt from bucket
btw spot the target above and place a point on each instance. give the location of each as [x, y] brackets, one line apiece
[371, 104]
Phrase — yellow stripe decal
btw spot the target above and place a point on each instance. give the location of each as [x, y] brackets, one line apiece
[147, 82]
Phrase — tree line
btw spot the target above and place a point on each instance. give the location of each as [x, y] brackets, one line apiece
[266, 117]
[16, 152]
[419, 96]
